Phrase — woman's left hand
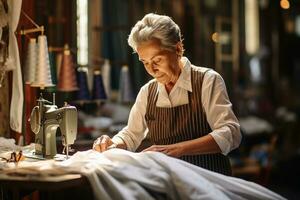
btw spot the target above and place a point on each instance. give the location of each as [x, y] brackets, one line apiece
[174, 150]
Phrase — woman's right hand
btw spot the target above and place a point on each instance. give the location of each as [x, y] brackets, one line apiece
[103, 143]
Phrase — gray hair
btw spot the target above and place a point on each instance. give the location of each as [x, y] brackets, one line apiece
[154, 26]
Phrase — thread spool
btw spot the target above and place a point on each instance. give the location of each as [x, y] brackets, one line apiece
[98, 87]
[83, 92]
[125, 88]
[52, 60]
[67, 77]
[42, 72]
[105, 71]
[31, 61]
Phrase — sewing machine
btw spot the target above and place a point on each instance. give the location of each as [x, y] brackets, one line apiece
[45, 119]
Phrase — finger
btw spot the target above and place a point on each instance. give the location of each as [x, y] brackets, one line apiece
[97, 141]
[151, 148]
[160, 148]
[104, 143]
[145, 150]
[155, 148]
[111, 146]
[96, 145]
[165, 151]
[97, 148]
[169, 153]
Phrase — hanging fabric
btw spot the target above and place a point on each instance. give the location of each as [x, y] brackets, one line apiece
[14, 9]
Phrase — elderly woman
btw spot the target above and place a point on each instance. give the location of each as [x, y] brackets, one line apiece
[185, 110]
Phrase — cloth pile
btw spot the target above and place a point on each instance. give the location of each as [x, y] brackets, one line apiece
[120, 174]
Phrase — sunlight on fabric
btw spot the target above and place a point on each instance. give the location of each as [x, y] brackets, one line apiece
[82, 32]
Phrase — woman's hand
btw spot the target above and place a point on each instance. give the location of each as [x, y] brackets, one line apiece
[174, 150]
[103, 143]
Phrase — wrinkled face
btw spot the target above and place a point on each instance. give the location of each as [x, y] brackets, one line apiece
[161, 64]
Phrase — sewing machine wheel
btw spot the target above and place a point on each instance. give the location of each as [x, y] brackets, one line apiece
[34, 120]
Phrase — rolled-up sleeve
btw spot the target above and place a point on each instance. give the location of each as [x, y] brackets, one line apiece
[133, 134]
[220, 116]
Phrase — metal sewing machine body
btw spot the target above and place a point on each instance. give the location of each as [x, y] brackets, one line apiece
[44, 121]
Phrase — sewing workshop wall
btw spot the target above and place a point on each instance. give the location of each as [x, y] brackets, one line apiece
[4, 109]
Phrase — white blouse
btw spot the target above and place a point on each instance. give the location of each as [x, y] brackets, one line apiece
[224, 124]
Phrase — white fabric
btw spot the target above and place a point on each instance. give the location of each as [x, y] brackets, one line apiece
[16, 108]
[120, 174]
[8, 145]
[215, 100]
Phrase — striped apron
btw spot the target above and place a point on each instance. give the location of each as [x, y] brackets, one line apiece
[182, 123]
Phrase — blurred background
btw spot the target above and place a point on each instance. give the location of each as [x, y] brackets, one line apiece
[253, 44]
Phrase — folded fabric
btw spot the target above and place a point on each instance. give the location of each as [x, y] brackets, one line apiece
[120, 174]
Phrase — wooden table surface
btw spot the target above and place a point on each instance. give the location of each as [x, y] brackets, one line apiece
[16, 185]
[42, 182]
